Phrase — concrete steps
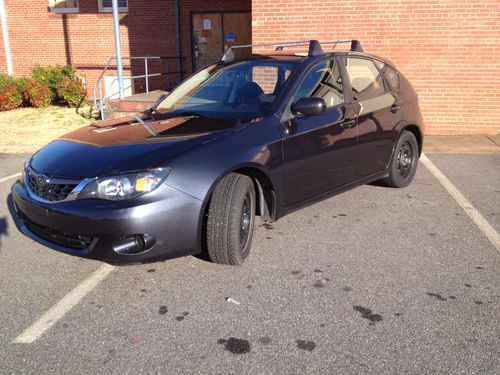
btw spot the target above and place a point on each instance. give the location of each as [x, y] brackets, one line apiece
[131, 104]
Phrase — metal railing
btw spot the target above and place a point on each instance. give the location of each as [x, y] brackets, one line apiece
[100, 96]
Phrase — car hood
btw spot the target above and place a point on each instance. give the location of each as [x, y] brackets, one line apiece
[124, 145]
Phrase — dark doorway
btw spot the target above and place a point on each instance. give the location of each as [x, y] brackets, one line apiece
[213, 32]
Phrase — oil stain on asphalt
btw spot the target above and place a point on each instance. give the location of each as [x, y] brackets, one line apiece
[437, 296]
[163, 310]
[235, 346]
[368, 314]
[306, 345]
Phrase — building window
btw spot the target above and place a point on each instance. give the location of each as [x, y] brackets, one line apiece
[106, 6]
[64, 6]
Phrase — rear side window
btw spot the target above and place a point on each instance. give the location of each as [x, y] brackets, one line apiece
[366, 80]
[322, 81]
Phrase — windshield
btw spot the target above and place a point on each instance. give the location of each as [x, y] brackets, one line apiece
[245, 89]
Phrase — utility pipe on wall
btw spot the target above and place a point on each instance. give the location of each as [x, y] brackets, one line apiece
[6, 41]
[118, 47]
[178, 36]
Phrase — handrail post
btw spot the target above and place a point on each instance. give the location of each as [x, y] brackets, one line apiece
[118, 48]
[101, 104]
[146, 72]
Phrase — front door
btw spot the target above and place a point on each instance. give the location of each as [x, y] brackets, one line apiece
[213, 33]
[320, 151]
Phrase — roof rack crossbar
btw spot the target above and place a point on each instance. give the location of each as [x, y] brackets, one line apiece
[314, 47]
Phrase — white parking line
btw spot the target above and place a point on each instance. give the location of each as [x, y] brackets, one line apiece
[469, 209]
[9, 177]
[57, 311]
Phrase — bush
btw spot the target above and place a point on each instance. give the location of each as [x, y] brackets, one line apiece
[38, 94]
[53, 75]
[10, 97]
[72, 91]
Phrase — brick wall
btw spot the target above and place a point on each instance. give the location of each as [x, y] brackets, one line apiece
[86, 39]
[449, 49]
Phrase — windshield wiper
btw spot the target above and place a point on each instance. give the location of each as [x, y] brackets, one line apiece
[146, 126]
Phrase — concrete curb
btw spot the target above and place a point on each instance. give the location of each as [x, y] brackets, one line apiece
[462, 144]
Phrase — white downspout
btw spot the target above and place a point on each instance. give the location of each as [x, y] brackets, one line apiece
[6, 41]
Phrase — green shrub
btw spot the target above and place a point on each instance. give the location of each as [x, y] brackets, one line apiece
[72, 91]
[38, 94]
[53, 75]
[10, 97]
[5, 80]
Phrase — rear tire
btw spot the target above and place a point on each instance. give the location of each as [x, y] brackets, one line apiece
[231, 218]
[404, 161]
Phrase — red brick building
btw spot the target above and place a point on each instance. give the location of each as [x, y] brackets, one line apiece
[449, 49]
[80, 32]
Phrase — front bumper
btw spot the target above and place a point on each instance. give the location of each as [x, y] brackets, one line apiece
[93, 228]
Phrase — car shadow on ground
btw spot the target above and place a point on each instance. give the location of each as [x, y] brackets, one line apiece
[13, 212]
[4, 225]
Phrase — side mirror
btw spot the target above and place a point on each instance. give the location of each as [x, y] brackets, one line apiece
[309, 106]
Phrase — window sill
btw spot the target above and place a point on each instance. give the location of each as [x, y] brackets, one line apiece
[110, 10]
[65, 11]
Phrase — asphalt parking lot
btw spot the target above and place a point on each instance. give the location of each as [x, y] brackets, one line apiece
[375, 280]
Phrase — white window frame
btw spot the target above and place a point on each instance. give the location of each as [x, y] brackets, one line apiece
[104, 9]
[53, 9]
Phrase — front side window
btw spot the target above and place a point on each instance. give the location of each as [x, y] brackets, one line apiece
[366, 80]
[322, 81]
[64, 6]
[106, 5]
[244, 89]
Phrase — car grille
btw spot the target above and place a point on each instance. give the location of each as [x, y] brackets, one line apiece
[52, 192]
[59, 238]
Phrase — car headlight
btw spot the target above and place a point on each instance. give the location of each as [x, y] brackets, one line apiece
[125, 186]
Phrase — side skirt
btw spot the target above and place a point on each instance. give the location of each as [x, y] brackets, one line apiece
[336, 191]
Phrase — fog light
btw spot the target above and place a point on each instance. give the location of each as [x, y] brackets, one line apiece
[135, 244]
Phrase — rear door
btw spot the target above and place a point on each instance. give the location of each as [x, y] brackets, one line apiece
[379, 114]
[319, 151]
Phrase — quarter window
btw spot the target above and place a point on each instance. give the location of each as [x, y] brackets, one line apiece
[106, 5]
[64, 6]
[366, 80]
[322, 81]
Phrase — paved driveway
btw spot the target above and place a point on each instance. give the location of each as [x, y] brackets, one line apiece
[375, 280]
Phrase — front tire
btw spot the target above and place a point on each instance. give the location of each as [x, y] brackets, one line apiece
[404, 161]
[231, 218]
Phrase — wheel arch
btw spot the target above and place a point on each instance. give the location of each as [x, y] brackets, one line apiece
[266, 205]
[418, 135]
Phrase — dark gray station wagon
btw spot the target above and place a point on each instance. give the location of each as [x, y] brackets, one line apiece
[260, 135]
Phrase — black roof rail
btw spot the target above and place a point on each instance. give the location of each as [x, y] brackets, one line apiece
[314, 47]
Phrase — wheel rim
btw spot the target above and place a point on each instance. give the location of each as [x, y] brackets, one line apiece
[246, 222]
[405, 160]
